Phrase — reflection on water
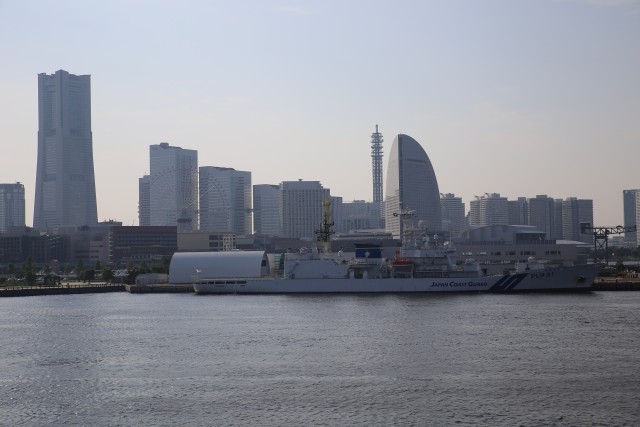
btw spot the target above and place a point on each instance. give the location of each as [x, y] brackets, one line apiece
[120, 359]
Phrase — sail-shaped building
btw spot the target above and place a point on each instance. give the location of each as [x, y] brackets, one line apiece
[411, 185]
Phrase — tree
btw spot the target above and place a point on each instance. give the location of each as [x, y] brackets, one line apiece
[107, 275]
[89, 275]
[29, 274]
[98, 265]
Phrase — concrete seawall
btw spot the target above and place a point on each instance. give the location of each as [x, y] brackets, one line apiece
[60, 290]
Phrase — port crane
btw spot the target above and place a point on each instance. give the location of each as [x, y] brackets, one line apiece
[601, 238]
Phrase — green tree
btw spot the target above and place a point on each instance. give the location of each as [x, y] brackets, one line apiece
[29, 273]
[98, 266]
[89, 275]
[11, 269]
[107, 275]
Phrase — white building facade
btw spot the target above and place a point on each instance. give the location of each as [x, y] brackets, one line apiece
[301, 208]
[489, 209]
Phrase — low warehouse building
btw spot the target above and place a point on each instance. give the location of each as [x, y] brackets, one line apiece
[187, 266]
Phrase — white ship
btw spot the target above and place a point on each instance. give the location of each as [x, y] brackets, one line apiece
[419, 266]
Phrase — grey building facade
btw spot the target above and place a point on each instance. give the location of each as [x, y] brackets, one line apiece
[65, 182]
[411, 185]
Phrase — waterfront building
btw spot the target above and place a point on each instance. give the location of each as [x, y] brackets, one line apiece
[453, 216]
[266, 210]
[301, 208]
[359, 215]
[144, 200]
[11, 207]
[500, 248]
[631, 206]
[138, 244]
[173, 187]
[489, 209]
[65, 193]
[574, 212]
[411, 185]
[204, 241]
[225, 200]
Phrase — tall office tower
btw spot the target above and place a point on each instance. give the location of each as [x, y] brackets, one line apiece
[11, 206]
[376, 163]
[631, 206]
[225, 200]
[557, 233]
[574, 212]
[301, 207]
[266, 210]
[337, 214]
[489, 209]
[518, 211]
[144, 201]
[542, 214]
[173, 187]
[453, 216]
[65, 182]
[412, 186]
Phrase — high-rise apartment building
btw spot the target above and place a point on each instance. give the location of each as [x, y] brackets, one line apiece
[144, 201]
[574, 212]
[518, 211]
[412, 186]
[225, 200]
[266, 210]
[11, 206]
[301, 207]
[65, 182]
[453, 215]
[631, 206]
[541, 213]
[173, 187]
[489, 209]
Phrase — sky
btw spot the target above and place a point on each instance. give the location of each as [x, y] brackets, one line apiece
[513, 97]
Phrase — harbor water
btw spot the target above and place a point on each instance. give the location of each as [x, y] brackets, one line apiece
[118, 359]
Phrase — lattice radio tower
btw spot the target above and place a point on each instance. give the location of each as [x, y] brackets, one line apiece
[376, 163]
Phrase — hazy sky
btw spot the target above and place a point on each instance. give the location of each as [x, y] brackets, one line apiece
[515, 97]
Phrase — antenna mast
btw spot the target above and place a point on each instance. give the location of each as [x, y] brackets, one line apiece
[376, 163]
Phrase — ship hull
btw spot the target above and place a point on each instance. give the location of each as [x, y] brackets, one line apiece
[564, 279]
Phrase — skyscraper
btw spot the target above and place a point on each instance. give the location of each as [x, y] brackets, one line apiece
[411, 185]
[173, 186]
[574, 212]
[225, 200]
[631, 206]
[489, 209]
[301, 207]
[65, 182]
[453, 219]
[144, 201]
[266, 211]
[11, 206]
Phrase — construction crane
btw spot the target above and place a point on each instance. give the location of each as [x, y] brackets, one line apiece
[601, 238]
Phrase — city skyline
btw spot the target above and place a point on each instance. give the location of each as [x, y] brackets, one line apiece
[517, 99]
